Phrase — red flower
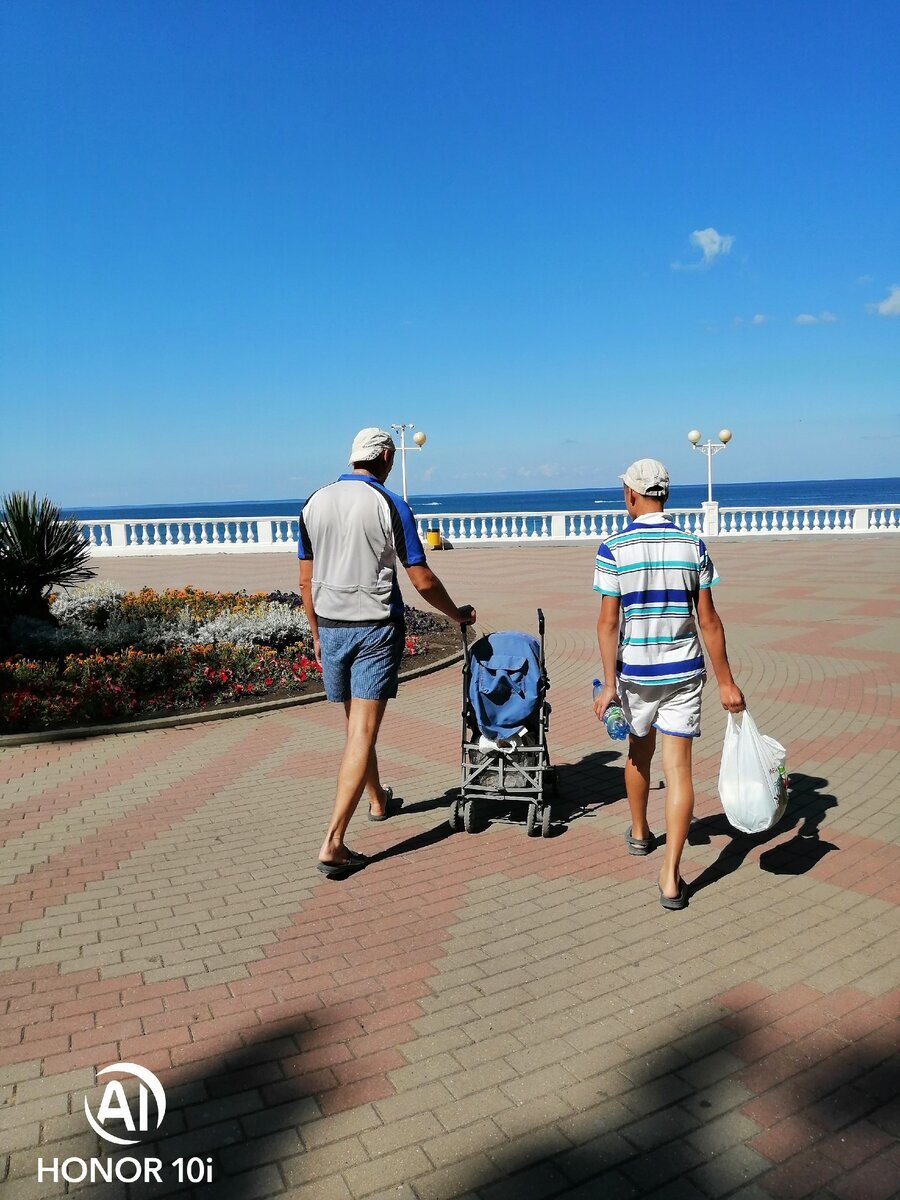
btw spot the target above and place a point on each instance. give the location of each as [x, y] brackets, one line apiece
[223, 677]
[268, 681]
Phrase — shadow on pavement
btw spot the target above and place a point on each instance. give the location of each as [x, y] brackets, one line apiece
[807, 804]
[671, 1120]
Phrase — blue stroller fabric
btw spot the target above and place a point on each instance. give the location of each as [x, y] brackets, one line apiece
[505, 682]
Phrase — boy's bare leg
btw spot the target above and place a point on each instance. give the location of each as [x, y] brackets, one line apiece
[357, 763]
[637, 781]
[677, 768]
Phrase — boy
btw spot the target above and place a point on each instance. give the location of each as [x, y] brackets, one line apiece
[658, 577]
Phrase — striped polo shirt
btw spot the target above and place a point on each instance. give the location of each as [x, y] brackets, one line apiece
[355, 530]
[656, 571]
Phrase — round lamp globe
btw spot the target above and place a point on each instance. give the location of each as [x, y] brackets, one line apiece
[420, 439]
[724, 436]
[694, 436]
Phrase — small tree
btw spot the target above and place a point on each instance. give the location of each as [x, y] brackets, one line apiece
[39, 550]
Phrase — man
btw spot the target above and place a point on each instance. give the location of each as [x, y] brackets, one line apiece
[351, 534]
[658, 578]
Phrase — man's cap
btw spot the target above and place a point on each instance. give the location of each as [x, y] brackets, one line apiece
[369, 443]
[647, 477]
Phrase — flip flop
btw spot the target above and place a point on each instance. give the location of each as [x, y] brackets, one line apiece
[675, 902]
[332, 870]
[639, 846]
[388, 800]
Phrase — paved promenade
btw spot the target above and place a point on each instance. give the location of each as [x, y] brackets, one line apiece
[480, 1015]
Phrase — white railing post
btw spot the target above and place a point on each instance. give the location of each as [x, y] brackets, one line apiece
[117, 535]
[558, 525]
[263, 531]
[861, 520]
[710, 518]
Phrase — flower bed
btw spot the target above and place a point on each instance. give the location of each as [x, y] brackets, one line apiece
[119, 655]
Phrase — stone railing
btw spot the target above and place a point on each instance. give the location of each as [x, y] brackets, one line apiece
[245, 535]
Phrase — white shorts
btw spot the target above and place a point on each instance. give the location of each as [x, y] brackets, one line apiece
[673, 708]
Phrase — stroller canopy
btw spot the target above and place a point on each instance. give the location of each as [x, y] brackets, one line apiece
[505, 682]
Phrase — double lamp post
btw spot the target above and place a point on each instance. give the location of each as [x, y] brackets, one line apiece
[419, 440]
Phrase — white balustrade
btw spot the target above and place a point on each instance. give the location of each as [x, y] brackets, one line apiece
[247, 535]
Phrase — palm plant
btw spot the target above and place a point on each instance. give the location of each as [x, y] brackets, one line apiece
[39, 550]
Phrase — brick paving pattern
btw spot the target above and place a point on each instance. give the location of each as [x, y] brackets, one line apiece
[480, 1015]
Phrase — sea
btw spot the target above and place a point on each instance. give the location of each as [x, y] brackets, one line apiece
[813, 492]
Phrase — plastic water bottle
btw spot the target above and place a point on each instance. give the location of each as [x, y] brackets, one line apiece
[613, 718]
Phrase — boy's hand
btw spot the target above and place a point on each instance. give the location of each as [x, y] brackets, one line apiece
[732, 697]
[604, 698]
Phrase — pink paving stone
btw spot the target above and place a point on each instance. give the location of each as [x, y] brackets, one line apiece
[744, 995]
[801, 1022]
[800, 1176]
[789, 1137]
[855, 1144]
[352, 1095]
[874, 1180]
[759, 1044]
[844, 1000]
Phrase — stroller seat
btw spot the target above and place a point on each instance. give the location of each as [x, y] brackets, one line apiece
[505, 684]
[505, 718]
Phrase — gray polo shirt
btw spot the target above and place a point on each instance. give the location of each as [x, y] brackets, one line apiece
[354, 531]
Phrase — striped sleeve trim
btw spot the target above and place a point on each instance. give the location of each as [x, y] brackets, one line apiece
[304, 541]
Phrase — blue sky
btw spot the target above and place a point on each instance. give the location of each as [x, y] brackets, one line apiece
[554, 236]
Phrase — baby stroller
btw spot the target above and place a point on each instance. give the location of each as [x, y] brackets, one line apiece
[505, 716]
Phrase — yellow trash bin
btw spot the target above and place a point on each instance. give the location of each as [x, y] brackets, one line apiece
[433, 539]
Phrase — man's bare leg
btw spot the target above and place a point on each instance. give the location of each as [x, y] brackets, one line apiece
[372, 787]
[637, 781]
[676, 760]
[357, 763]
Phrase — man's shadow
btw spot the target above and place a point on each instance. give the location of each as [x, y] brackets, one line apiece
[807, 804]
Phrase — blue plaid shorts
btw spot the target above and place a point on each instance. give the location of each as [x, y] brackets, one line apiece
[361, 661]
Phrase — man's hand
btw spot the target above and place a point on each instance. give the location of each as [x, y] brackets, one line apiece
[316, 650]
[604, 698]
[732, 697]
[465, 614]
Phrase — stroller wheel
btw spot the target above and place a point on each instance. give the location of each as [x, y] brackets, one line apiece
[545, 821]
[531, 819]
[467, 817]
[453, 816]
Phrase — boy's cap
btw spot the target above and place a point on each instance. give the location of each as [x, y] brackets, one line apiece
[369, 443]
[647, 477]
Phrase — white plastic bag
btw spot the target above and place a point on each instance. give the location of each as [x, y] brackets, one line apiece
[752, 780]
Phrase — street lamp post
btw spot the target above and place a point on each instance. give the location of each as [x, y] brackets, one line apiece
[709, 448]
[418, 438]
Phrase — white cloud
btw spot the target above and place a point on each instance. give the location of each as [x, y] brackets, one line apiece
[863, 279]
[549, 470]
[756, 319]
[428, 474]
[824, 318]
[711, 245]
[890, 305]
